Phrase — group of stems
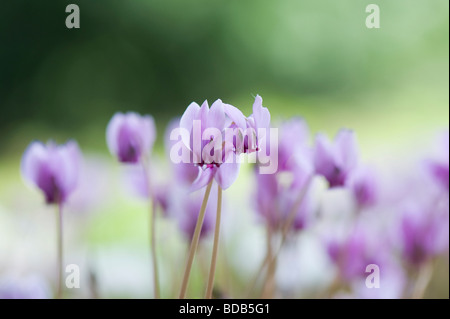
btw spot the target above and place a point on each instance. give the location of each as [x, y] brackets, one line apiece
[270, 260]
[152, 237]
[194, 244]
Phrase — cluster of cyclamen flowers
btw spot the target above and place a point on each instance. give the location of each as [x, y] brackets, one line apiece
[203, 153]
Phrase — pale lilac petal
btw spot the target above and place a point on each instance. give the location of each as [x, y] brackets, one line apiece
[362, 183]
[235, 115]
[189, 116]
[227, 174]
[323, 156]
[203, 115]
[261, 114]
[32, 158]
[346, 149]
[216, 115]
[204, 177]
[70, 164]
[112, 132]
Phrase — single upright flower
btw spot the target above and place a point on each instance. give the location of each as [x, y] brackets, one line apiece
[130, 136]
[363, 184]
[214, 152]
[206, 142]
[54, 169]
[336, 160]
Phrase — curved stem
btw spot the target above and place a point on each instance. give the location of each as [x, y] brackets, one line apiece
[194, 242]
[59, 226]
[212, 270]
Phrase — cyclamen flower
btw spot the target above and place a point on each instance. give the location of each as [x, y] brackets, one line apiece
[276, 201]
[54, 169]
[215, 156]
[362, 183]
[130, 136]
[278, 194]
[359, 248]
[336, 160]
[424, 231]
[255, 128]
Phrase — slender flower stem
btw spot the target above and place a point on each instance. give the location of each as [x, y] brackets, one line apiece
[269, 282]
[291, 216]
[422, 281]
[258, 274]
[271, 258]
[59, 227]
[212, 270]
[194, 242]
[152, 233]
[152, 228]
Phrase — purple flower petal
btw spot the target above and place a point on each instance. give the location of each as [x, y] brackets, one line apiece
[227, 174]
[261, 114]
[130, 136]
[189, 116]
[235, 115]
[54, 169]
[204, 177]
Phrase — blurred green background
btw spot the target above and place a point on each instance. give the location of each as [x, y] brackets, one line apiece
[313, 58]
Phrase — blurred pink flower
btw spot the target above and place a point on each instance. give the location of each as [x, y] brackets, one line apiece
[130, 136]
[335, 160]
[217, 164]
[54, 169]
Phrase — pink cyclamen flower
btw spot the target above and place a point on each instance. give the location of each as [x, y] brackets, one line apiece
[275, 202]
[288, 191]
[130, 136]
[359, 248]
[363, 184]
[206, 142]
[54, 169]
[255, 127]
[424, 231]
[335, 160]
